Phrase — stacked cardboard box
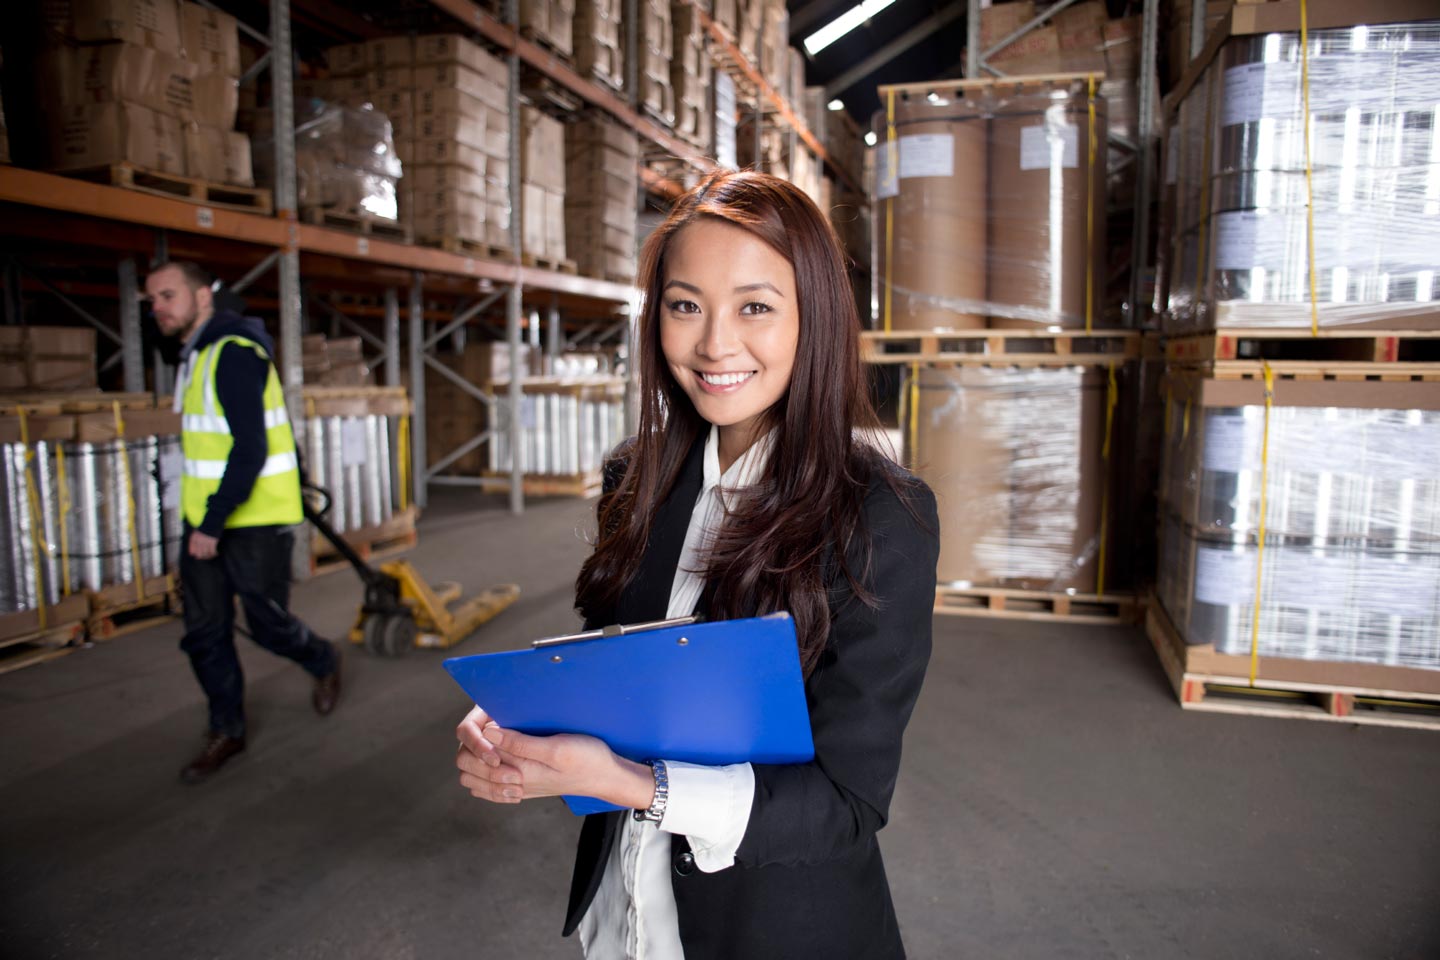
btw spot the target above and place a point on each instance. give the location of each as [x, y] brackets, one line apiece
[600, 190]
[726, 13]
[599, 44]
[446, 98]
[750, 17]
[775, 46]
[551, 22]
[837, 132]
[47, 358]
[333, 361]
[691, 74]
[542, 190]
[656, 49]
[153, 83]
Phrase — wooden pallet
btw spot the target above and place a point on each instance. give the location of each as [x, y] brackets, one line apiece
[220, 195]
[581, 485]
[1337, 372]
[1008, 347]
[396, 535]
[548, 263]
[1299, 344]
[361, 223]
[1293, 689]
[466, 247]
[1040, 605]
[120, 609]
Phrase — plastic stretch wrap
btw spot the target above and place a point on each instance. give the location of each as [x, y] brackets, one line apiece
[1015, 457]
[1235, 173]
[351, 459]
[998, 209]
[1334, 474]
[345, 159]
[1358, 603]
[566, 429]
[28, 563]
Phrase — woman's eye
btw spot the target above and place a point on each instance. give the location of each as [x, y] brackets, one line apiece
[683, 306]
[755, 307]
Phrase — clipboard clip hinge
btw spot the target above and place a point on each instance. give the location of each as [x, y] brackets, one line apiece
[616, 630]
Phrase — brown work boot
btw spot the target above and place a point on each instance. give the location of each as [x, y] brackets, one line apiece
[218, 749]
[327, 688]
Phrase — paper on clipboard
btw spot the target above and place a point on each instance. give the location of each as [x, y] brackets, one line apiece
[714, 693]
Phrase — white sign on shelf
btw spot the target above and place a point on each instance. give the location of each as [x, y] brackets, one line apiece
[352, 441]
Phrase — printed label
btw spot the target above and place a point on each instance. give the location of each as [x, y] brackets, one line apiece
[352, 442]
[1047, 146]
[887, 181]
[927, 155]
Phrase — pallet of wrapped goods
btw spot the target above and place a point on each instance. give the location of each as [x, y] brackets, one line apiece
[691, 72]
[1300, 546]
[570, 426]
[542, 192]
[1029, 262]
[601, 181]
[357, 449]
[599, 41]
[1261, 232]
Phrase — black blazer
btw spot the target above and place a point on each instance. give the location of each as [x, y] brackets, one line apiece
[808, 880]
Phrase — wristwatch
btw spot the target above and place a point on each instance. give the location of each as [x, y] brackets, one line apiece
[656, 811]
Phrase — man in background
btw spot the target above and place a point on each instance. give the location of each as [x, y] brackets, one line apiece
[240, 496]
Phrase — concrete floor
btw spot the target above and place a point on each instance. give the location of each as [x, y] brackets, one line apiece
[1054, 803]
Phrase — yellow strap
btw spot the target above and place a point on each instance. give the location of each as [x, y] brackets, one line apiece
[913, 414]
[1090, 221]
[1309, 190]
[1260, 551]
[1169, 407]
[64, 505]
[130, 496]
[1185, 422]
[36, 520]
[1112, 400]
[404, 463]
[893, 157]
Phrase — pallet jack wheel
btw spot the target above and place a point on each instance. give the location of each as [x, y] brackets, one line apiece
[398, 634]
[373, 634]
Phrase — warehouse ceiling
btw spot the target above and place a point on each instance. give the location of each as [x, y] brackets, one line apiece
[909, 41]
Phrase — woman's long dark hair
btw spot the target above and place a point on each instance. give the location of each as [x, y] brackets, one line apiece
[774, 545]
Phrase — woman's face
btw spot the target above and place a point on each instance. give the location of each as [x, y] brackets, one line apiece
[729, 326]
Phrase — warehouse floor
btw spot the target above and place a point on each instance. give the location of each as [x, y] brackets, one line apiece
[1054, 803]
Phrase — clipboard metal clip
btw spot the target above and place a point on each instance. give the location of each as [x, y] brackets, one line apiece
[615, 630]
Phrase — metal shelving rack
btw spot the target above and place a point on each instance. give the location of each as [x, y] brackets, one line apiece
[140, 224]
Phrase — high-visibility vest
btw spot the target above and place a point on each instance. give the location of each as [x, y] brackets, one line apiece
[206, 442]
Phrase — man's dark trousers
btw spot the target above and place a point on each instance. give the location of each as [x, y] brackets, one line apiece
[253, 563]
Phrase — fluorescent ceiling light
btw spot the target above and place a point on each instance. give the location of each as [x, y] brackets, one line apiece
[843, 24]
[836, 104]
[870, 138]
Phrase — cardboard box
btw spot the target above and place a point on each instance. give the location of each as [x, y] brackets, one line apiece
[444, 177]
[347, 59]
[555, 224]
[395, 104]
[210, 39]
[219, 156]
[381, 80]
[614, 162]
[442, 150]
[1082, 25]
[532, 218]
[469, 131]
[47, 358]
[497, 223]
[596, 129]
[146, 23]
[591, 184]
[585, 211]
[596, 235]
[452, 48]
[217, 100]
[428, 203]
[120, 71]
[441, 224]
[453, 76]
[451, 100]
[386, 52]
[90, 135]
[542, 149]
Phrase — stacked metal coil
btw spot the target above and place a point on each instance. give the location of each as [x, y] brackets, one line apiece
[564, 431]
[124, 510]
[353, 460]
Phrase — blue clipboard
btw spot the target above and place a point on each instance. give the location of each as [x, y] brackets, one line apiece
[714, 693]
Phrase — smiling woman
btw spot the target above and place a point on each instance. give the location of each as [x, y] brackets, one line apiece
[746, 492]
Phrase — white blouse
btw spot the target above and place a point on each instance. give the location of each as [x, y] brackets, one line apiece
[633, 915]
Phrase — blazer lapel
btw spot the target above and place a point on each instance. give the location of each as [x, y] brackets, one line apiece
[648, 595]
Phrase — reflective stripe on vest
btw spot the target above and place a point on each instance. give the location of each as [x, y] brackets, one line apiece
[207, 441]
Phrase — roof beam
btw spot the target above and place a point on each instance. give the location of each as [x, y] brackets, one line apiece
[814, 14]
[894, 48]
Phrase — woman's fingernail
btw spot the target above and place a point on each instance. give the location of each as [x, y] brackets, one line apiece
[494, 734]
[511, 793]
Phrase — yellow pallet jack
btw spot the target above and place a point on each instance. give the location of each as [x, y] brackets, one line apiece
[401, 610]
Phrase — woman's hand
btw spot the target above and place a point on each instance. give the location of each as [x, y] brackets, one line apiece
[505, 766]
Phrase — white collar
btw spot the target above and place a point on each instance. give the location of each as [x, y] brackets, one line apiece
[747, 468]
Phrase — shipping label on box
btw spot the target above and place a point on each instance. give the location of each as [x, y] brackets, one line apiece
[147, 23]
[210, 39]
[90, 135]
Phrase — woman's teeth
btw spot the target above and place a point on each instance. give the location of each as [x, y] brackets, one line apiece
[725, 379]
